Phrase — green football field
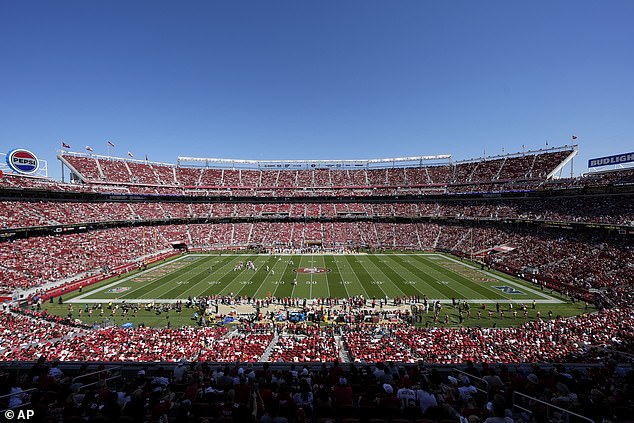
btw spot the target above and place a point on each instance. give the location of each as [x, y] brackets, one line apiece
[437, 276]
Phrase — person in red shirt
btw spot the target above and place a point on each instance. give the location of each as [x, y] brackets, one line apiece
[343, 393]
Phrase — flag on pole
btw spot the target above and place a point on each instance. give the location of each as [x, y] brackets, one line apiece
[574, 137]
[64, 145]
[89, 148]
[110, 144]
[130, 154]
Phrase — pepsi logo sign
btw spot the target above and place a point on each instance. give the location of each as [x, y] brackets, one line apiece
[22, 161]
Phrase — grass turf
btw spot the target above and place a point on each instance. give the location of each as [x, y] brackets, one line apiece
[436, 276]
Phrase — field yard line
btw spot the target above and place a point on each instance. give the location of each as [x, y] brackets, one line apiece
[364, 268]
[345, 263]
[285, 269]
[195, 264]
[200, 263]
[467, 285]
[190, 274]
[424, 287]
[518, 285]
[414, 276]
[334, 260]
[185, 294]
[302, 289]
[297, 283]
[463, 290]
[231, 282]
[80, 297]
[326, 281]
[357, 278]
[387, 278]
[310, 287]
[259, 262]
[240, 273]
[323, 259]
[268, 275]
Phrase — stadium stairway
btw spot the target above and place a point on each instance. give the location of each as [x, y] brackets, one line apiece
[266, 356]
[344, 354]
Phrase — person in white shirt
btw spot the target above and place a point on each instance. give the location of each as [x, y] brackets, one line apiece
[160, 378]
[425, 398]
[467, 390]
[407, 397]
[180, 370]
[55, 372]
[499, 411]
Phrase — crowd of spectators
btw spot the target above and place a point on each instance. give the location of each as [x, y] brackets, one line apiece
[574, 258]
[368, 344]
[510, 167]
[118, 344]
[240, 347]
[576, 339]
[615, 210]
[378, 384]
[378, 393]
[35, 261]
[303, 343]
[190, 177]
[556, 340]
[19, 332]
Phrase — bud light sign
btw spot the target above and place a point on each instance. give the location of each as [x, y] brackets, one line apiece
[612, 160]
[22, 161]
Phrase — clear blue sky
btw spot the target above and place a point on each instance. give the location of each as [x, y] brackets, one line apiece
[271, 79]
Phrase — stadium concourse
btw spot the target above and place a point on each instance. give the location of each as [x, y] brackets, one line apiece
[510, 213]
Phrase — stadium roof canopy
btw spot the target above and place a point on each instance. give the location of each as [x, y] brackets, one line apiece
[394, 162]
[438, 159]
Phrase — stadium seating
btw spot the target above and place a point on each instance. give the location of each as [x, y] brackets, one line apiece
[36, 261]
[512, 167]
[305, 344]
[331, 392]
[615, 210]
[558, 340]
[568, 234]
[23, 265]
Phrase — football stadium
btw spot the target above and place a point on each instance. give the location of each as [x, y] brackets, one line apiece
[350, 211]
[377, 264]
